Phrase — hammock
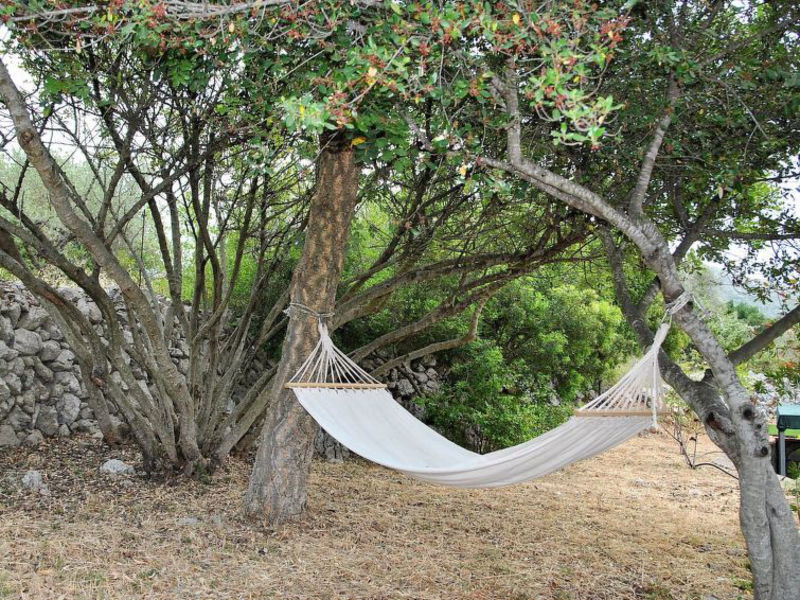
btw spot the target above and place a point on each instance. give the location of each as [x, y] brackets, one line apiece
[361, 414]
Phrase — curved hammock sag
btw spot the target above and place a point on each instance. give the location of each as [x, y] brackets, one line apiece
[360, 413]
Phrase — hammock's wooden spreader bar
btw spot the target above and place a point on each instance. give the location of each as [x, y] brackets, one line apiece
[613, 413]
[342, 386]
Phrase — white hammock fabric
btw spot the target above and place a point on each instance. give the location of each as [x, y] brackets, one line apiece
[361, 414]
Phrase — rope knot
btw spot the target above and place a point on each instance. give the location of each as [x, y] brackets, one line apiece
[309, 311]
[677, 304]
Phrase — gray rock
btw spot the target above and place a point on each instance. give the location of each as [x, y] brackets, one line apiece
[28, 377]
[7, 353]
[5, 392]
[29, 400]
[50, 350]
[405, 388]
[71, 294]
[55, 333]
[33, 319]
[17, 366]
[47, 421]
[433, 387]
[429, 361]
[432, 374]
[39, 391]
[64, 361]
[8, 437]
[90, 310]
[69, 406]
[85, 426]
[117, 467]
[14, 383]
[34, 438]
[63, 430]
[19, 419]
[42, 372]
[121, 427]
[327, 447]
[421, 377]
[6, 331]
[27, 342]
[69, 382]
[12, 310]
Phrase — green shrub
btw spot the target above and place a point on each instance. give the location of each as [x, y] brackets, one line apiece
[484, 406]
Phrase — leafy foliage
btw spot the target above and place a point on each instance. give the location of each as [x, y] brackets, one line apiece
[541, 348]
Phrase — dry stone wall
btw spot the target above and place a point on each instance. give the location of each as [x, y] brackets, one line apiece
[42, 393]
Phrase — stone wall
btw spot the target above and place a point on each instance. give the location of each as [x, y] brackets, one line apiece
[41, 393]
[41, 389]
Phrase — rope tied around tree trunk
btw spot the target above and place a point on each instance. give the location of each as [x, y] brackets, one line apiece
[671, 308]
[309, 311]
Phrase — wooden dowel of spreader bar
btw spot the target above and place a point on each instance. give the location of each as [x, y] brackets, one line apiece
[613, 413]
[346, 386]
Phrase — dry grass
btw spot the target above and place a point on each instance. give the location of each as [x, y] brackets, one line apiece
[633, 523]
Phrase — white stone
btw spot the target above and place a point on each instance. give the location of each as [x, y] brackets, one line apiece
[64, 361]
[7, 353]
[33, 480]
[117, 467]
[18, 419]
[405, 388]
[14, 383]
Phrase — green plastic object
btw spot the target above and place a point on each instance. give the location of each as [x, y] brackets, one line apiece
[788, 416]
[790, 433]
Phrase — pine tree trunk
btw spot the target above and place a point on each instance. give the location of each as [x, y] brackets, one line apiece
[278, 483]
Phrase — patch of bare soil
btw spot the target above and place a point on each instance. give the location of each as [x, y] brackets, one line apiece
[635, 522]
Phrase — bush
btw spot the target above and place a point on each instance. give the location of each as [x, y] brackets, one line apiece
[483, 406]
[540, 349]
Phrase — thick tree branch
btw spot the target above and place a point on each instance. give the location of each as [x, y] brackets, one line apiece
[648, 163]
[766, 337]
[450, 344]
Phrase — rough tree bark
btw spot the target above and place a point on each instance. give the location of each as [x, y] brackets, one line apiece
[278, 483]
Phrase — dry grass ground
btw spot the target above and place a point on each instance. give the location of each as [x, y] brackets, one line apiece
[633, 523]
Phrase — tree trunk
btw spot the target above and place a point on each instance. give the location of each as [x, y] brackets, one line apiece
[278, 483]
[769, 528]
